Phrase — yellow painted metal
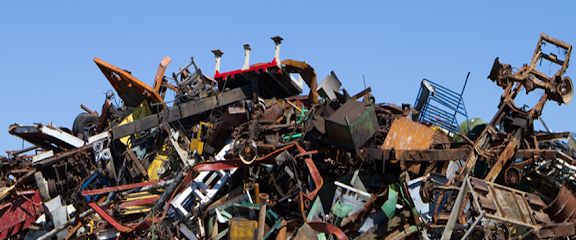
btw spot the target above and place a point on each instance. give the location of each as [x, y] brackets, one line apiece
[196, 144]
[242, 229]
[91, 224]
[135, 209]
[161, 156]
[5, 191]
[144, 208]
[138, 196]
[141, 111]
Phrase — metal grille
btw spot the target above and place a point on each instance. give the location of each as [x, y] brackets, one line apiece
[439, 105]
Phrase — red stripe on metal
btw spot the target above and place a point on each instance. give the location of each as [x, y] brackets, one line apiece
[119, 188]
[255, 68]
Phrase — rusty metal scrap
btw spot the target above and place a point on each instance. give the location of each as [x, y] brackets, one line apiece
[243, 154]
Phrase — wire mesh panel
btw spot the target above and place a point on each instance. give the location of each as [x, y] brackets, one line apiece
[439, 106]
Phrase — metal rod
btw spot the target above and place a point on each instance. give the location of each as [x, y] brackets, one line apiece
[87, 109]
[473, 225]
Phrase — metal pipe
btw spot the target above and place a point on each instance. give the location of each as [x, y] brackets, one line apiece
[261, 221]
[87, 109]
[349, 188]
[277, 41]
[246, 57]
[218, 55]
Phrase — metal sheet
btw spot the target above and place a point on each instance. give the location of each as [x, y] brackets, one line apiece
[242, 229]
[20, 213]
[352, 125]
[330, 84]
[48, 137]
[129, 88]
[406, 134]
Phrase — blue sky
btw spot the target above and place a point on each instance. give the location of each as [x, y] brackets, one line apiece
[47, 47]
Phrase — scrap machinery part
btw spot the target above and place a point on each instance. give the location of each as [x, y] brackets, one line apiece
[439, 106]
[516, 122]
[519, 121]
[563, 206]
[244, 155]
[267, 80]
[129, 88]
[47, 136]
[557, 86]
[307, 73]
[271, 79]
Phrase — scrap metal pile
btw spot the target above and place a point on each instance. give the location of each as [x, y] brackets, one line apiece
[244, 155]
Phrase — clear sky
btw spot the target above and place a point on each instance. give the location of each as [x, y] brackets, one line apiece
[47, 47]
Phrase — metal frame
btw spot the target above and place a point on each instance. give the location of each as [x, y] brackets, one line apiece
[439, 105]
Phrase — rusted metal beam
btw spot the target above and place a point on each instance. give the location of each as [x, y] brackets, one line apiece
[144, 201]
[427, 155]
[123, 187]
[508, 152]
[181, 111]
[160, 74]
[59, 156]
[551, 136]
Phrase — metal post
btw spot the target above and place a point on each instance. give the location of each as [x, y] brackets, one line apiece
[218, 55]
[277, 41]
[261, 221]
[455, 211]
[246, 57]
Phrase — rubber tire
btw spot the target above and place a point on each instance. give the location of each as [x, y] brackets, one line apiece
[81, 121]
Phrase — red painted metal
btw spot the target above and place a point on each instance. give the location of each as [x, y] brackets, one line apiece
[109, 218]
[255, 68]
[20, 213]
[236, 163]
[119, 188]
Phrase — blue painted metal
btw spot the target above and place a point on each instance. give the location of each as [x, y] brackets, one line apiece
[440, 106]
[95, 181]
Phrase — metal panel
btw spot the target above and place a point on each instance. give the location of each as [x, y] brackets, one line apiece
[510, 204]
[20, 213]
[406, 134]
[352, 125]
[48, 137]
[329, 85]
